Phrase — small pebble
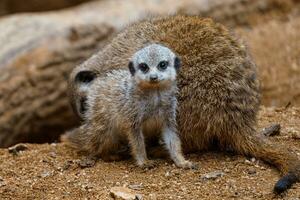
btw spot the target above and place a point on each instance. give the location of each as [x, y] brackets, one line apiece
[87, 187]
[45, 174]
[296, 135]
[248, 162]
[152, 196]
[212, 175]
[52, 154]
[272, 130]
[2, 182]
[17, 148]
[136, 187]
[167, 174]
[86, 162]
[67, 165]
[251, 171]
[124, 193]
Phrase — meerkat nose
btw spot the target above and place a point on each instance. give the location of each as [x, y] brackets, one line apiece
[153, 78]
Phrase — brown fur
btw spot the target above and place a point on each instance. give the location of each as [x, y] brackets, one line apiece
[219, 91]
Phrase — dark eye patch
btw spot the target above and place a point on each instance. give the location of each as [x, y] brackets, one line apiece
[83, 105]
[143, 67]
[177, 63]
[131, 68]
[163, 65]
[85, 76]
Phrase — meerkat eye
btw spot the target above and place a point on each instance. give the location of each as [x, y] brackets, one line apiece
[163, 65]
[143, 67]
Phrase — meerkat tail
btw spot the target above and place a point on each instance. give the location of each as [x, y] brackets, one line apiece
[277, 155]
[73, 138]
[96, 143]
[82, 141]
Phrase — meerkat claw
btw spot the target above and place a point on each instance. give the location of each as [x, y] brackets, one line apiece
[188, 165]
[195, 166]
[150, 164]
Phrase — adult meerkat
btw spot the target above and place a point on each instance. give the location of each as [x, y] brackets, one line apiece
[219, 93]
[125, 102]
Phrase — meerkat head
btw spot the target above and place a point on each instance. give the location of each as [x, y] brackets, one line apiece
[154, 66]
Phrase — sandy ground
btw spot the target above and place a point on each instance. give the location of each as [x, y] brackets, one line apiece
[52, 171]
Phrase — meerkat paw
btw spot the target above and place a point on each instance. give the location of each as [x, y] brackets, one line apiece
[187, 165]
[149, 164]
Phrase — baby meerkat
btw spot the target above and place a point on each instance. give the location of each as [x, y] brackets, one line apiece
[126, 102]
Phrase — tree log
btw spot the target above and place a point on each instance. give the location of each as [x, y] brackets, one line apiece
[38, 52]
[16, 6]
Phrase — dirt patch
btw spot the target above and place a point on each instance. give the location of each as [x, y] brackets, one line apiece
[52, 171]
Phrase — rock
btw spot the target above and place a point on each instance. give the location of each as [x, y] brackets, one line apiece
[212, 175]
[152, 197]
[296, 135]
[272, 130]
[52, 154]
[45, 174]
[17, 148]
[251, 171]
[87, 187]
[86, 162]
[248, 162]
[123, 193]
[2, 182]
[167, 174]
[67, 165]
[136, 187]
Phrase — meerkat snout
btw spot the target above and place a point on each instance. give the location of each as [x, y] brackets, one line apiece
[154, 66]
[153, 78]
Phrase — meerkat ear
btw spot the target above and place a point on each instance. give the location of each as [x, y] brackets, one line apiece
[131, 68]
[177, 63]
[85, 76]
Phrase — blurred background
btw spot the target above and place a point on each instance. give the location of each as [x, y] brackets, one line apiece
[42, 41]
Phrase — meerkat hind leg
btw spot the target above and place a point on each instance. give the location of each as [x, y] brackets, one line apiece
[173, 145]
